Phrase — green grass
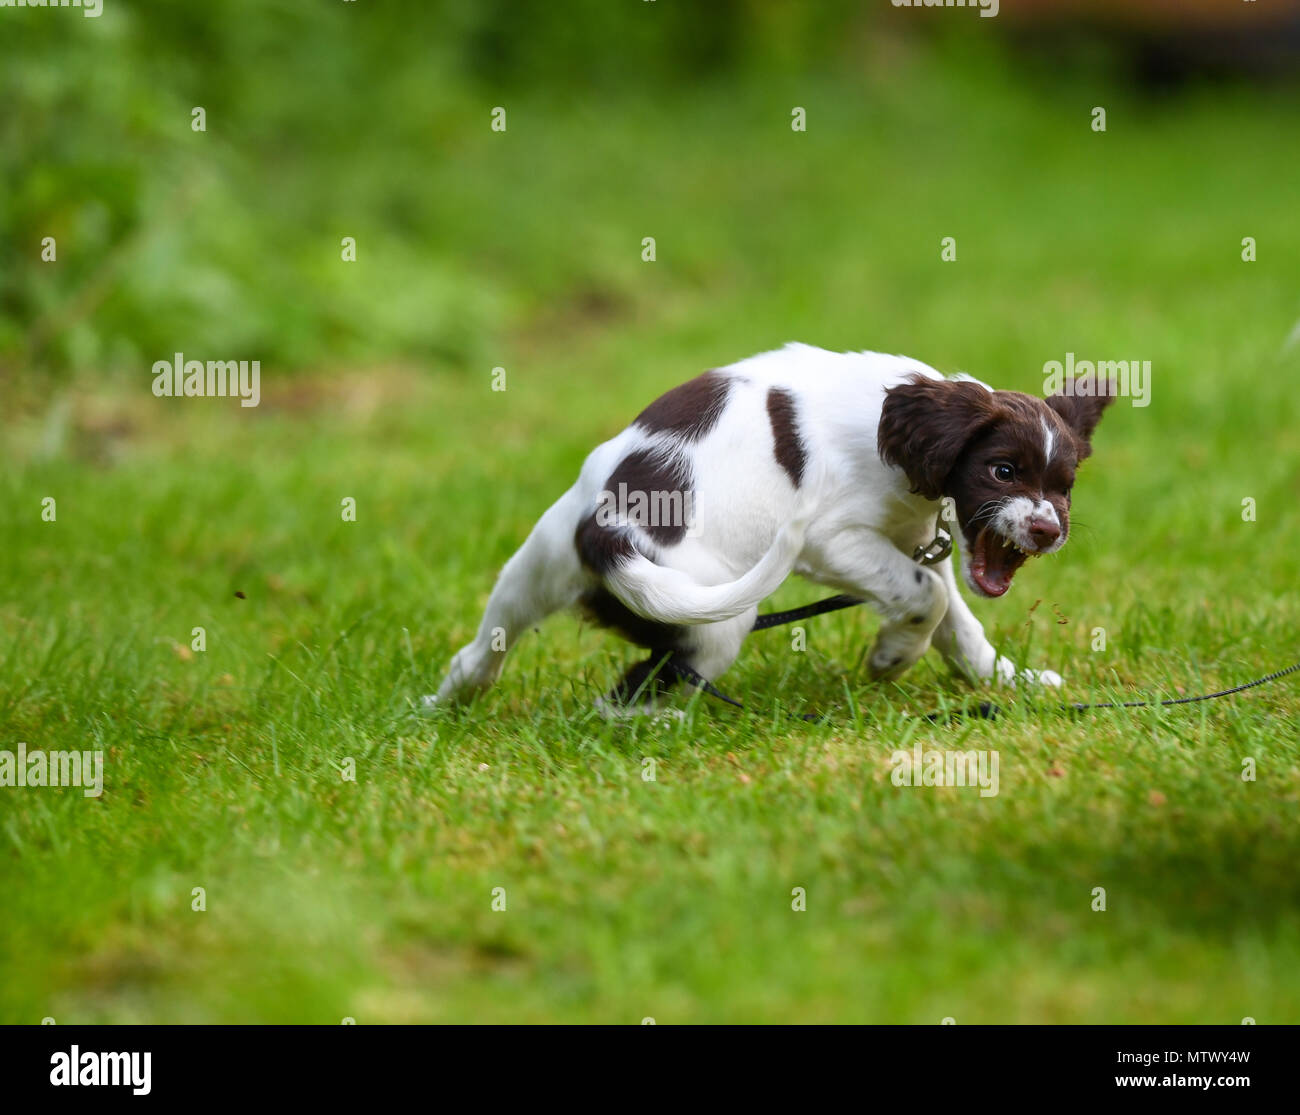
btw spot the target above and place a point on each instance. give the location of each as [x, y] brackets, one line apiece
[671, 898]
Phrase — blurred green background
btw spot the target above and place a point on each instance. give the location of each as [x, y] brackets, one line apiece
[371, 120]
[523, 250]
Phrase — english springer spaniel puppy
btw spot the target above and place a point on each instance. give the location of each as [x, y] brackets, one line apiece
[835, 466]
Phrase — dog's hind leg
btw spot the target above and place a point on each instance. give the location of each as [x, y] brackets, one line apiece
[543, 576]
[711, 648]
[708, 649]
[640, 691]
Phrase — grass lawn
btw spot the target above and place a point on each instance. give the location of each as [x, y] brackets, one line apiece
[672, 899]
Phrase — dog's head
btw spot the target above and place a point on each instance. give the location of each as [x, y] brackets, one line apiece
[1006, 459]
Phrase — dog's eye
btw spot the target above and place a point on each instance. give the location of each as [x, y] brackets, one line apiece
[1003, 471]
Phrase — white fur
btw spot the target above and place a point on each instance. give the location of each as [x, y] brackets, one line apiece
[1013, 518]
[851, 525]
[1049, 440]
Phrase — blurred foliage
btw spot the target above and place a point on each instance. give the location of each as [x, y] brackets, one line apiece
[335, 119]
[323, 121]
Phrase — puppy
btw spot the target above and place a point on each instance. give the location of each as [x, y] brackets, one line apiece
[834, 466]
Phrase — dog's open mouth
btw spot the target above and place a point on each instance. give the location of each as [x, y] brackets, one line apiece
[994, 561]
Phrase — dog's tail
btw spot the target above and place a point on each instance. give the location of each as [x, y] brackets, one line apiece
[666, 595]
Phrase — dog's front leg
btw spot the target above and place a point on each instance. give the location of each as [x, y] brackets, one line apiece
[909, 597]
[961, 640]
[960, 636]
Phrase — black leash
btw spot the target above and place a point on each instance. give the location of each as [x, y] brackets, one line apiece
[935, 552]
[830, 604]
[1189, 700]
[985, 710]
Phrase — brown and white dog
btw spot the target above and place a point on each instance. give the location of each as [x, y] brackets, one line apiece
[830, 465]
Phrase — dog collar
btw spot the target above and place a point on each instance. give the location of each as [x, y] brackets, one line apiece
[936, 551]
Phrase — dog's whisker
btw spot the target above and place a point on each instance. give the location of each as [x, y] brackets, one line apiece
[988, 509]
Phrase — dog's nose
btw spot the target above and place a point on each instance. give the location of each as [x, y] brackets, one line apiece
[1043, 532]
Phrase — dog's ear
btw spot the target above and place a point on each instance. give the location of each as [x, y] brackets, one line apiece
[1080, 405]
[925, 424]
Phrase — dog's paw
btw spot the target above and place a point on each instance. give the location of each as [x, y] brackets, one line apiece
[613, 710]
[892, 657]
[889, 663]
[888, 669]
[1007, 674]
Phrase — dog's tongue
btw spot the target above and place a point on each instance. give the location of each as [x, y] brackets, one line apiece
[992, 563]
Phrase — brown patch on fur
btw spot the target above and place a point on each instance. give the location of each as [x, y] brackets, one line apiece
[654, 490]
[1080, 413]
[787, 445]
[665, 483]
[925, 425]
[604, 608]
[689, 411]
[647, 680]
[955, 438]
[600, 548]
[1016, 437]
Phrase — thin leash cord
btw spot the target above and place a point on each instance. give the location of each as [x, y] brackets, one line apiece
[1190, 700]
[693, 677]
[985, 710]
[830, 604]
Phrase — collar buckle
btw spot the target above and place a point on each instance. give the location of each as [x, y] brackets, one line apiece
[936, 551]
